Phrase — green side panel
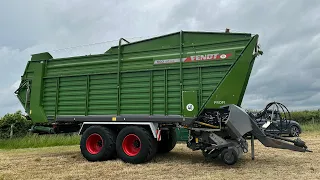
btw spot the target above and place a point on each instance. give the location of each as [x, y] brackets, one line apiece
[102, 94]
[135, 93]
[171, 41]
[158, 93]
[232, 87]
[190, 103]
[147, 77]
[173, 92]
[36, 109]
[83, 65]
[22, 96]
[49, 99]
[22, 93]
[72, 96]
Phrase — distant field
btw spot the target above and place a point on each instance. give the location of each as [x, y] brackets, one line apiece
[66, 162]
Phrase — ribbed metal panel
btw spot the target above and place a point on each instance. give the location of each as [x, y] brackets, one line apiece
[135, 93]
[102, 95]
[72, 96]
[88, 85]
[49, 96]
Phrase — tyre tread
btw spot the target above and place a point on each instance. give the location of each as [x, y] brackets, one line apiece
[109, 139]
[140, 158]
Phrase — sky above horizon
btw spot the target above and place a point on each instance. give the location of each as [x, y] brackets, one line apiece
[288, 71]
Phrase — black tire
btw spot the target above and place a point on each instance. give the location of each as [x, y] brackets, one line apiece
[229, 156]
[294, 131]
[105, 151]
[168, 141]
[141, 150]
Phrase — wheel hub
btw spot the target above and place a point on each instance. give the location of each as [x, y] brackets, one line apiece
[136, 144]
[229, 157]
[94, 143]
[295, 131]
[131, 145]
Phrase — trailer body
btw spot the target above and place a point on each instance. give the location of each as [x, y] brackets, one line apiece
[128, 101]
[158, 76]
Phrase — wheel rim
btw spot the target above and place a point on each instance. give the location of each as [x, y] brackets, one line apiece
[94, 143]
[228, 157]
[131, 145]
[295, 131]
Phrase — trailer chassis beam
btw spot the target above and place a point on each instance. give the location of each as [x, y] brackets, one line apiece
[153, 126]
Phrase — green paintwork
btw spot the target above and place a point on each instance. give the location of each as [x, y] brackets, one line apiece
[42, 129]
[232, 87]
[125, 80]
[41, 56]
[190, 103]
[36, 112]
[182, 134]
[34, 76]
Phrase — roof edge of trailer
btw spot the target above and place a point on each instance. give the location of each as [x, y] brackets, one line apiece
[178, 32]
[44, 56]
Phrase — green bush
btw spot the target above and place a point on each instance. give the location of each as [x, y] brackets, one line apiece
[20, 125]
[306, 116]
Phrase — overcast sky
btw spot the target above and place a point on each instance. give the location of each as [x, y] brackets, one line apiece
[288, 72]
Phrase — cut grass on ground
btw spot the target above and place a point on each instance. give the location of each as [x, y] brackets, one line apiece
[35, 141]
[66, 162]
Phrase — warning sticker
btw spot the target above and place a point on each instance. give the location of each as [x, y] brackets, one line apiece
[205, 57]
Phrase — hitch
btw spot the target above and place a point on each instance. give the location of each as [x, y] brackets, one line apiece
[297, 142]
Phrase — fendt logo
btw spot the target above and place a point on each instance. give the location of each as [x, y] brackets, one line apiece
[205, 57]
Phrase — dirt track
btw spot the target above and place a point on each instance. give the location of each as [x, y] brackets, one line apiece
[67, 163]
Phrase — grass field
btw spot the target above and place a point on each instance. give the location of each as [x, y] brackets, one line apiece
[66, 162]
[35, 141]
[309, 127]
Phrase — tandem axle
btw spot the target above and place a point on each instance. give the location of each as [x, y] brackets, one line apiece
[216, 132]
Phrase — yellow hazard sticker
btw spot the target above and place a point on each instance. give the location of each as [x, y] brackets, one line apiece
[114, 118]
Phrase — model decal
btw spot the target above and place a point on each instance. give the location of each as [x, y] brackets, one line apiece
[205, 57]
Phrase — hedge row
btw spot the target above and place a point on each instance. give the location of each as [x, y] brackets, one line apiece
[20, 125]
[306, 116]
